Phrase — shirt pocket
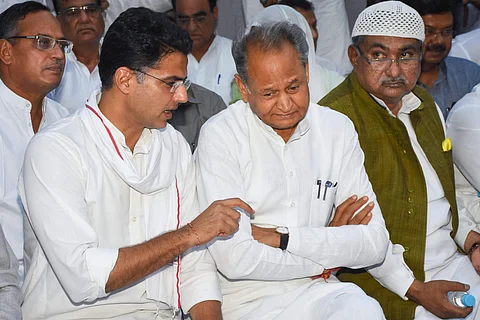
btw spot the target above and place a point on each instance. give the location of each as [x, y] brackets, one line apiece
[322, 205]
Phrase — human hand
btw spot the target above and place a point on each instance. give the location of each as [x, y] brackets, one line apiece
[219, 219]
[432, 296]
[268, 236]
[344, 214]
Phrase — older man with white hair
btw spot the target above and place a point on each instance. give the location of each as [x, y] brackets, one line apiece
[293, 162]
[409, 162]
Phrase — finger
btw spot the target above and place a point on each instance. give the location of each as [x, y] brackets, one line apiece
[342, 215]
[364, 216]
[350, 211]
[356, 206]
[345, 204]
[236, 202]
[232, 213]
[455, 286]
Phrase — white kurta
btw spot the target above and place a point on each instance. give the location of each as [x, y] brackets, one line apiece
[77, 84]
[84, 203]
[442, 260]
[285, 183]
[463, 127]
[467, 46]
[216, 70]
[116, 7]
[15, 133]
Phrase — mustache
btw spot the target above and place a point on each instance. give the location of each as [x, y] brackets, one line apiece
[56, 64]
[436, 47]
[386, 79]
[85, 26]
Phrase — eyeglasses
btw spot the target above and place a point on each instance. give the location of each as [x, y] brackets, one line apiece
[197, 19]
[433, 33]
[174, 85]
[46, 43]
[382, 64]
[72, 13]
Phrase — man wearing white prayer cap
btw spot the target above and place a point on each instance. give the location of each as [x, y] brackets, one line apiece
[409, 162]
[114, 228]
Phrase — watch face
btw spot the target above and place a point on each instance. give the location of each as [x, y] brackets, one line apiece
[282, 230]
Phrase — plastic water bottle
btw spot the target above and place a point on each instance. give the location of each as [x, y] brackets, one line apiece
[461, 299]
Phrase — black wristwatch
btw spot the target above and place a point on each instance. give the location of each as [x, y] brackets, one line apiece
[284, 235]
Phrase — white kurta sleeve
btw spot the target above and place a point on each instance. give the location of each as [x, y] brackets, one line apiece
[198, 277]
[352, 246]
[52, 187]
[239, 256]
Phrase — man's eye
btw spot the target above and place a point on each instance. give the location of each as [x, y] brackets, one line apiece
[293, 88]
[170, 83]
[378, 55]
[268, 95]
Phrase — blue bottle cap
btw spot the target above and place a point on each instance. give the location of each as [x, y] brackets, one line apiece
[468, 300]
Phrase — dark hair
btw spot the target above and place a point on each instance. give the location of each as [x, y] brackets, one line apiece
[212, 3]
[269, 37]
[139, 39]
[302, 4]
[424, 7]
[56, 4]
[10, 18]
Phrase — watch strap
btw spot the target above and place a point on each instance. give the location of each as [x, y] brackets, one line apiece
[284, 241]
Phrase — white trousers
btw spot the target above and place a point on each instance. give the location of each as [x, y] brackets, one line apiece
[460, 270]
[317, 299]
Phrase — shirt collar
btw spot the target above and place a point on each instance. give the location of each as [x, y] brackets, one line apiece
[442, 74]
[410, 102]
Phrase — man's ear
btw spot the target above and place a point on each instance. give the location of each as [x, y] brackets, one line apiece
[307, 72]
[215, 13]
[124, 79]
[6, 52]
[242, 88]
[353, 56]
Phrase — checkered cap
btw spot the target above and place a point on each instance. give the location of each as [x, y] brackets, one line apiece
[391, 19]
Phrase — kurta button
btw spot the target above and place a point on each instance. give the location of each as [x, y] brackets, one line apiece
[410, 200]
[292, 204]
[410, 212]
[410, 190]
[291, 174]
[134, 219]
[404, 151]
[407, 249]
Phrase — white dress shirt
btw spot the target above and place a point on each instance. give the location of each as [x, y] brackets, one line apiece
[285, 183]
[442, 260]
[16, 130]
[77, 84]
[467, 46]
[463, 127]
[216, 70]
[87, 195]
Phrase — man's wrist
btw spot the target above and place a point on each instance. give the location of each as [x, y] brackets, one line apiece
[415, 290]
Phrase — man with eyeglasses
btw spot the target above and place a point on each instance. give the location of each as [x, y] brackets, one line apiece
[32, 58]
[211, 63]
[110, 194]
[446, 78]
[82, 23]
[409, 163]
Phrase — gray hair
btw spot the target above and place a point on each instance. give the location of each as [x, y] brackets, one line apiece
[269, 37]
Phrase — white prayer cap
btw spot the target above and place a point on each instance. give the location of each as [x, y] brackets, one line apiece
[390, 19]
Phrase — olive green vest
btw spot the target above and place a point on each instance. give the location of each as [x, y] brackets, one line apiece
[397, 178]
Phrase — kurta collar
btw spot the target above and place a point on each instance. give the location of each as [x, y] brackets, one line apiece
[143, 145]
[410, 102]
[212, 47]
[17, 104]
